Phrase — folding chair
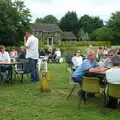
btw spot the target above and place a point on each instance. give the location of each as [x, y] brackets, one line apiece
[22, 67]
[90, 85]
[113, 90]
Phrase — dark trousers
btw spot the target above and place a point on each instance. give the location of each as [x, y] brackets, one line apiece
[112, 102]
[8, 68]
[33, 69]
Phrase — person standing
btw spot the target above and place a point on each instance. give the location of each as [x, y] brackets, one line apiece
[32, 53]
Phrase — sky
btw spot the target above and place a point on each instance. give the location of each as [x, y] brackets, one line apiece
[58, 8]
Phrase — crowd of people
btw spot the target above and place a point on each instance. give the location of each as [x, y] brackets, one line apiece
[31, 53]
[102, 59]
[105, 59]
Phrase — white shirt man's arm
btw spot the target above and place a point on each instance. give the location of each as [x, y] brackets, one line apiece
[26, 43]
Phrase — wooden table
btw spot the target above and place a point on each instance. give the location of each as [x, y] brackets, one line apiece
[8, 63]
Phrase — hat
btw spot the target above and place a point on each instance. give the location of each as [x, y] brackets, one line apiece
[78, 51]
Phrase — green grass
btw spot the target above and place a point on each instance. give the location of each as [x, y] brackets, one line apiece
[26, 102]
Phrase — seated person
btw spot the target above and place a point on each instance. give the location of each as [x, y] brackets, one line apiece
[112, 76]
[89, 62]
[13, 53]
[107, 62]
[57, 55]
[21, 53]
[76, 60]
[4, 57]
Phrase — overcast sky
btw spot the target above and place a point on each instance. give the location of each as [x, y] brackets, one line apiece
[58, 8]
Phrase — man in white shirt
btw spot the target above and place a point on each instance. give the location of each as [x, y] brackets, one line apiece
[32, 53]
[58, 55]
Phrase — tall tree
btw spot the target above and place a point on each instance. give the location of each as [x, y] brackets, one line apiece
[14, 20]
[49, 19]
[114, 25]
[89, 24]
[102, 34]
[69, 22]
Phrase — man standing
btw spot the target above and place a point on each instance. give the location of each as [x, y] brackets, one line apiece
[32, 54]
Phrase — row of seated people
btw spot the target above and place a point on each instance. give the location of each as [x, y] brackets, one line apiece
[104, 60]
[89, 64]
[53, 55]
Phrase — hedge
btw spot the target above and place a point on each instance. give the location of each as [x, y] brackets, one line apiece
[86, 43]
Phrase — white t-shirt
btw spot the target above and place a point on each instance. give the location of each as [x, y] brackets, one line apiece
[4, 57]
[76, 61]
[113, 75]
[32, 51]
[58, 53]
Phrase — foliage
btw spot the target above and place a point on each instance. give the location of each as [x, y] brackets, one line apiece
[101, 34]
[85, 43]
[82, 36]
[114, 25]
[89, 24]
[14, 21]
[49, 19]
[69, 22]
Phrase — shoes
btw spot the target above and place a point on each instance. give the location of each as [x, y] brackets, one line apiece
[82, 95]
[112, 106]
[91, 95]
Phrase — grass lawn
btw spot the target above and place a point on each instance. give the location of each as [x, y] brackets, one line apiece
[26, 102]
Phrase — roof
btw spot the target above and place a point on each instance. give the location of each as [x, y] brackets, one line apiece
[68, 35]
[46, 27]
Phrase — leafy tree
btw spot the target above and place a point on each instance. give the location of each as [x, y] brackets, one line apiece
[49, 19]
[82, 35]
[14, 21]
[114, 25]
[39, 20]
[89, 24]
[101, 34]
[69, 22]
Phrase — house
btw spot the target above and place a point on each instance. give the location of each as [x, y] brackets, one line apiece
[49, 34]
[68, 36]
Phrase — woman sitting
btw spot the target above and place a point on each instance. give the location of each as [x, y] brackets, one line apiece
[113, 77]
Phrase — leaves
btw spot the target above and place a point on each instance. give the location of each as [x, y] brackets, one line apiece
[69, 22]
[14, 21]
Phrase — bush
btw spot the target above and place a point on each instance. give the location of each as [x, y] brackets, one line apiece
[86, 43]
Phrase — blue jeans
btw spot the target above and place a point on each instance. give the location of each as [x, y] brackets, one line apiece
[77, 79]
[33, 69]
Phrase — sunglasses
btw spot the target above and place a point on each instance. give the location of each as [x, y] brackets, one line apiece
[110, 55]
